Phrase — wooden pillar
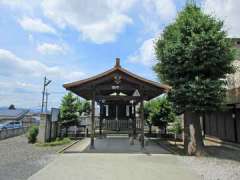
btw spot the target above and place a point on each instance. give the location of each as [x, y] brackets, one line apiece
[93, 122]
[142, 123]
[101, 118]
[117, 122]
[134, 121]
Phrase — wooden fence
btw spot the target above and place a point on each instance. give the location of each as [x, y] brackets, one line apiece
[224, 125]
[121, 124]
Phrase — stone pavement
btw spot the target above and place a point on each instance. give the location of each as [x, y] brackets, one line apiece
[116, 144]
[114, 159]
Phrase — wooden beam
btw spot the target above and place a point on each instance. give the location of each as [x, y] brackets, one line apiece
[122, 98]
[112, 86]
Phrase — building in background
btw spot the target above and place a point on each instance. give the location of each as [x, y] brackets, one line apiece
[7, 114]
[233, 80]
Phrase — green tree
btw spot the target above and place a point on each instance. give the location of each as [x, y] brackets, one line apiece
[69, 108]
[162, 113]
[158, 112]
[194, 56]
[176, 128]
[83, 106]
[147, 110]
[12, 107]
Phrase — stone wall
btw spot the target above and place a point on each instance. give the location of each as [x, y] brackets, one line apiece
[233, 80]
[7, 133]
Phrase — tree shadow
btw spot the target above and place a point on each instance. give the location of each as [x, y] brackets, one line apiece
[212, 151]
[221, 152]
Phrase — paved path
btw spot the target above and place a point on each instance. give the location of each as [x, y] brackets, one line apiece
[115, 159]
[19, 160]
[116, 144]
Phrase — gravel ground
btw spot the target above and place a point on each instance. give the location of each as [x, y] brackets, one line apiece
[19, 160]
[222, 164]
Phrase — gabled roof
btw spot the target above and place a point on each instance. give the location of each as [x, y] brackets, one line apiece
[116, 69]
[12, 114]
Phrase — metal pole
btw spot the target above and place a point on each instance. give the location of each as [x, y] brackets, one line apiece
[43, 93]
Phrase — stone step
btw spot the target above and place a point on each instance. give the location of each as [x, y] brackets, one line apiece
[117, 135]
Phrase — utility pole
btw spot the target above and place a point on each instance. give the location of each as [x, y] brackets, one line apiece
[46, 105]
[43, 93]
[46, 82]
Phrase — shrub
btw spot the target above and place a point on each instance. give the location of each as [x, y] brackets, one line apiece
[32, 134]
[176, 127]
[57, 142]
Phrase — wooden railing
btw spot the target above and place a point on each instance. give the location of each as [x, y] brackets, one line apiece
[109, 124]
[113, 124]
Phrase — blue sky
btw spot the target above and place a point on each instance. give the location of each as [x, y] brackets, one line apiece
[68, 40]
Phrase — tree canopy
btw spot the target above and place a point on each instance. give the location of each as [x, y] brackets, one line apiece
[194, 56]
[83, 106]
[12, 107]
[69, 108]
[72, 107]
[159, 111]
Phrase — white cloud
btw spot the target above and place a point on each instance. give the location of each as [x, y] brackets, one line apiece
[19, 84]
[165, 9]
[145, 54]
[98, 21]
[19, 94]
[21, 81]
[11, 65]
[157, 13]
[36, 25]
[27, 6]
[48, 48]
[227, 10]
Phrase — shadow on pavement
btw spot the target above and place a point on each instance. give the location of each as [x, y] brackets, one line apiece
[117, 145]
[212, 150]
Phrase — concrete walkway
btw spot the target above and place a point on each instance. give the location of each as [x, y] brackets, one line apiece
[116, 144]
[115, 159]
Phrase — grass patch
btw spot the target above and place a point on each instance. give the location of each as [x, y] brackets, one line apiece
[57, 142]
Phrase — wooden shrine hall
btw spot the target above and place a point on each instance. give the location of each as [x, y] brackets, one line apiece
[117, 91]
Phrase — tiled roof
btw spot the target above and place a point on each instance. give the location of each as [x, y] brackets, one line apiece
[6, 113]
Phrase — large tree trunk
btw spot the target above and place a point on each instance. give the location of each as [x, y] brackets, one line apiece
[193, 139]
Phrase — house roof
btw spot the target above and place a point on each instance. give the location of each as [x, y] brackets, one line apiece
[107, 76]
[12, 114]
